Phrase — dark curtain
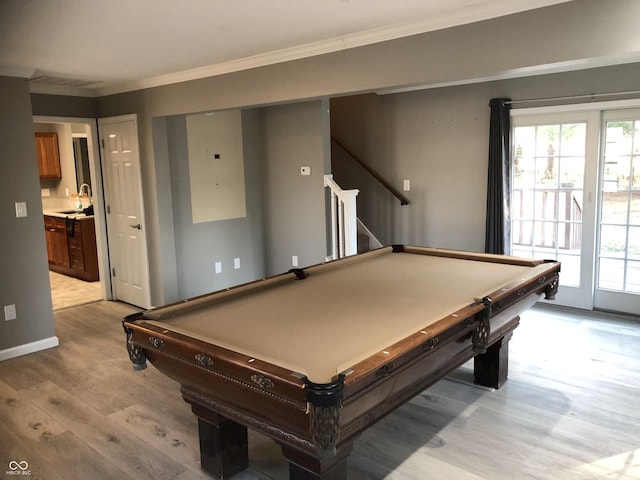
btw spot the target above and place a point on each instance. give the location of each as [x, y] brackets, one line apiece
[497, 233]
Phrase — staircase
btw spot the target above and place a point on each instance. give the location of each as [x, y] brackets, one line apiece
[348, 234]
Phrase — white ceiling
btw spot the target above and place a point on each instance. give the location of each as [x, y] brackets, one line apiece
[95, 47]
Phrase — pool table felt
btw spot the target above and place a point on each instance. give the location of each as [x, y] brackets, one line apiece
[338, 317]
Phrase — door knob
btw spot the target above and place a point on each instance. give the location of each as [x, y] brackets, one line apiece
[138, 226]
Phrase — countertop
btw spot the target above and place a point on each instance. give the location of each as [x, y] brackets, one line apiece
[73, 214]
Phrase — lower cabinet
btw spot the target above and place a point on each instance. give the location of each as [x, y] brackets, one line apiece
[55, 230]
[71, 247]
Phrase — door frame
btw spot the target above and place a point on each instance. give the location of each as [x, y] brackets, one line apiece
[95, 168]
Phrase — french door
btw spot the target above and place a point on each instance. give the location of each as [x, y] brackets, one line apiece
[575, 197]
[618, 256]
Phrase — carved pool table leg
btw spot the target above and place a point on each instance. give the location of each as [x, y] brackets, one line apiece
[224, 449]
[303, 466]
[490, 369]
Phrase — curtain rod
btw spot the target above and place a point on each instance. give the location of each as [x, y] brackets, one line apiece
[573, 97]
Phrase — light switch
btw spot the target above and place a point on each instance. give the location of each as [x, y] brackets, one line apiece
[305, 171]
[21, 209]
[236, 263]
[406, 185]
[218, 266]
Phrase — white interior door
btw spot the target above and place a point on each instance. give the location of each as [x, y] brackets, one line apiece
[124, 210]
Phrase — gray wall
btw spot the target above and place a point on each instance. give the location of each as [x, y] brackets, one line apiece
[198, 246]
[438, 139]
[23, 256]
[294, 205]
[558, 38]
[285, 211]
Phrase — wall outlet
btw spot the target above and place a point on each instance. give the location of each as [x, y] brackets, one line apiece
[236, 263]
[45, 192]
[9, 312]
[294, 260]
[218, 267]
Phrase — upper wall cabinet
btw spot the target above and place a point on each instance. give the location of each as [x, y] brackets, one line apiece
[48, 155]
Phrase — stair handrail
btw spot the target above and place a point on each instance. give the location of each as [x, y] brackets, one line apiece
[344, 219]
[394, 191]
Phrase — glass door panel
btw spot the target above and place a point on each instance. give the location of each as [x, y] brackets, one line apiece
[547, 194]
[554, 164]
[618, 279]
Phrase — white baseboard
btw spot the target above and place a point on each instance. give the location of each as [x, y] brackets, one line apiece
[29, 348]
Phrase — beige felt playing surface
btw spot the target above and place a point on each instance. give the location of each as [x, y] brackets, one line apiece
[339, 316]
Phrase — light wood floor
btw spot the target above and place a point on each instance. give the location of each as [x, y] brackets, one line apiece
[570, 410]
[70, 292]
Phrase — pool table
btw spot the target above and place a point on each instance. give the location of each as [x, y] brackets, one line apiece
[314, 356]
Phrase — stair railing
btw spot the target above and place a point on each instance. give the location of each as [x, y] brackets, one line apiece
[344, 221]
[394, 191]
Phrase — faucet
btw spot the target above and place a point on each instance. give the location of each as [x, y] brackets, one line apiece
[88, 189]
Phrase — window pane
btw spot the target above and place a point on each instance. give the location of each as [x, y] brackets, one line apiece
[634, 217]
[522, 233]
[573, 140]
[618, 137]
[614, 207]
[613, 241]
[518, 251]
[547, 140]
[545, 236]
[547, 172]
[571, 172]
[544, 207]
[611, 274]
[634, 243]
[633, 277]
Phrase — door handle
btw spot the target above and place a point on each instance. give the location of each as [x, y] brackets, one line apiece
[138, 226]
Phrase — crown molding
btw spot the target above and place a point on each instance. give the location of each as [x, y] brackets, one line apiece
[474, 13]
[479, 11]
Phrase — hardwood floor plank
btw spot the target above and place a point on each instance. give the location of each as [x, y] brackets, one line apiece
[568, 411]
[72, 458]
[178, 439]
[16, 448]
[24, 419]
[106, 437]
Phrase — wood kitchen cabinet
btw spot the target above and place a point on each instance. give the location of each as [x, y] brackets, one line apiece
[83, 254]
[57, 247]
[71, 247]
[48, 155]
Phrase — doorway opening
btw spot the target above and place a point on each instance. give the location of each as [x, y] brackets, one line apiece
[78, 270]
